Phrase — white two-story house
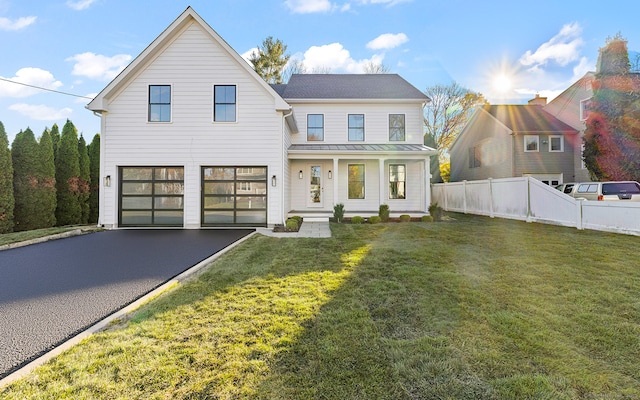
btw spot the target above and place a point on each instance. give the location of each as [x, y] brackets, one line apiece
[192, 137]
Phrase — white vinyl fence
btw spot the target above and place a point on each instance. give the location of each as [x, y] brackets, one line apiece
[530, 200]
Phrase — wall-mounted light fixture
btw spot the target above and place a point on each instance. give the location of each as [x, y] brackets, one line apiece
[300, 174]
[544, 142]
[107, 181]
[273, 181]
[330, 174]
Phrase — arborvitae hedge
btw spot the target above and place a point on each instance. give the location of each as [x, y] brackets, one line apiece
[7, 202]
[25, 155]
[47, 181]
[68, 208]
[85, 180]
[94, 172]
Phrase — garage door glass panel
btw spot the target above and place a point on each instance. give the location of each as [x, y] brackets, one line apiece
[137, 174]
[173, 203]
[136, 188]
[169, 188]
[169, 174]
[136, 202]
[133, 218]
[168, 218]
[233, 196]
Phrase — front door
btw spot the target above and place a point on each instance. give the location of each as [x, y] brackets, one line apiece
[314, 198]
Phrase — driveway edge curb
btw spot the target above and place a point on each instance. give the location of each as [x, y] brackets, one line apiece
[103, 323]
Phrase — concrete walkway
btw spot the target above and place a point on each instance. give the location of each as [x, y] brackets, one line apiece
[309, 229]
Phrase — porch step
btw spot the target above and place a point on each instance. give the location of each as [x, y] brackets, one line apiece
[315, 219]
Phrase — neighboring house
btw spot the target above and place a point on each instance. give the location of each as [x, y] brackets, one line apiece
[192, 137]
[572, 108]
[502, 141]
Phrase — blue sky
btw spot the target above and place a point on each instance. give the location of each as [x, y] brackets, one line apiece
[507, 50]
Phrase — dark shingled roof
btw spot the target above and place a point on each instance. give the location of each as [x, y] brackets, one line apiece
[348, 86]
[528, 118]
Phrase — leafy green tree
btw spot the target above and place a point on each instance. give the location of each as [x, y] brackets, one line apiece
[68, 208]
[7, 201]
[94, 172]
[25, 155]
[270, 59]
[85, 179]
[612, 135]
[47, 181]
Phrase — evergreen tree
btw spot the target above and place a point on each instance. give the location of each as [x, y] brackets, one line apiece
[25, 155]
[68, 209]
[270, 59]
[94, 172]
[85, 180]
[612, 136]
[47, 181]
[55, 138]
[7, 201]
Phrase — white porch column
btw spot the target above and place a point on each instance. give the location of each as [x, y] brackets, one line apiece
[382, 185]
[427, 184]
[335, 181]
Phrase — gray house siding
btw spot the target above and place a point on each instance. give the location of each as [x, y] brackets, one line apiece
[544, 161]
[491, 142]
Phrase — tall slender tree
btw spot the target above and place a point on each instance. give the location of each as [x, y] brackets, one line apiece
[47, 180]
[68, 208]
[612, 136]
[25, 155]
[270, 59]
[94, 172]
[55, 138]
[85, 179]
[7, 201]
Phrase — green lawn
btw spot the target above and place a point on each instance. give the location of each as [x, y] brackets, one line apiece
[470, 308]
[15, 237]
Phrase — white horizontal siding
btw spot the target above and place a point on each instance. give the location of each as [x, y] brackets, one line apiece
[192, 64]
[376, 121]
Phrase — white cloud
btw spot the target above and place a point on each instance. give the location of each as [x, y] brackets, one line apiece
[247, 54]
[9, 25]
[41, 112]
[582, 68]
[79, 5]
[336, 58]
[308, 6]
[563, 48]
[28, 76]
[390, 3]
[387, 41]
[96, 66]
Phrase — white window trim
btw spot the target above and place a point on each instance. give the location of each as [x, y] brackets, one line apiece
[364, 127]
[149, 103]
[584, 117]
[213, 103]
[537, 137]
[561, 144]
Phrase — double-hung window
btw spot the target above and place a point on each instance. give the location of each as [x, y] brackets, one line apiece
[397, 181]
[159, 103]
[556, 144]
[315, 127]
[531, 143]
[356, 181]
[356, 127]
[396, 127]
[224, 103]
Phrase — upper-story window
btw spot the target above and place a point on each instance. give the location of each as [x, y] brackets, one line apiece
[356, 127]
[396, 127]
[315, 127]
[556, 144]
[531, 143]
[224, 103]
[585, 108]
[159, 103]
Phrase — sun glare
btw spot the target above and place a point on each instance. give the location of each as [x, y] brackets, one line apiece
[502, 84]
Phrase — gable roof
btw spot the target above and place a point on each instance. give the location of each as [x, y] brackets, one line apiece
[349, 86]
[99, 103]
[527, 118]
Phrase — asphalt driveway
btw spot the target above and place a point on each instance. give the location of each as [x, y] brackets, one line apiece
[51, 291]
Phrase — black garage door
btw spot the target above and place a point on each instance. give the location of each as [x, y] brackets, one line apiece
[234, 196]
[151, 196]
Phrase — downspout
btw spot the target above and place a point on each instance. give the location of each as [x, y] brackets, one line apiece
[285, 159]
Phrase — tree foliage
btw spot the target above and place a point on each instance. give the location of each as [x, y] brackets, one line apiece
[47, 181]
[94, 173]
[373, 67]
[270, 59]
[25, 155]
[7, 201]
[612, 135]
[84, 179]
[68, 208]
[447, 113]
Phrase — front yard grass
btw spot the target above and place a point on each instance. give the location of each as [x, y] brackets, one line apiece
[470, 308]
